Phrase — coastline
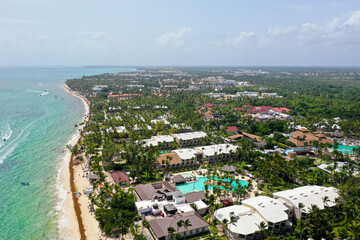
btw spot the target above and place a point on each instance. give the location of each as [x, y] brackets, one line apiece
[70, 222]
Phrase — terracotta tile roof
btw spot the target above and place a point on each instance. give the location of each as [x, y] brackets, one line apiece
[233, 137]
[252, 136]
[174, 159]
[320, 135]
[208, 105]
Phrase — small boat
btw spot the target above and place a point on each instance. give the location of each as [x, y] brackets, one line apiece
[43, 94]
[25, 183]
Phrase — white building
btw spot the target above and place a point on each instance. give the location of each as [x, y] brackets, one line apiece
[273, 211]
[218, 152]
[246, 224]
[160, 120]
[307, 195]
[120, 129]
[162, 141]
[188, 156]
[248, 94]
[189, 139]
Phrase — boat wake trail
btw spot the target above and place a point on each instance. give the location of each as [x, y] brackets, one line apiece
[5, 134]
[10, 145]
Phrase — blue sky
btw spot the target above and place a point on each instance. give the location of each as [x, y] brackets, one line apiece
[182, 32]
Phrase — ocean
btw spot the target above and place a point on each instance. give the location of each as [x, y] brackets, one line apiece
[34, 132]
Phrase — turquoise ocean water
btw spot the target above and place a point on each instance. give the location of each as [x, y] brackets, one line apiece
[36, 129]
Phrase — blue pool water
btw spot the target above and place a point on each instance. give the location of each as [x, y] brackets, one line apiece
[199, 185]
[346, 149]
[291, 150]
[187, 175]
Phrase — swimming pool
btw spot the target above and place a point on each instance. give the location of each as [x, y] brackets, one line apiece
[187, 175]
[346, 149]
[199, 185]
[291, 150]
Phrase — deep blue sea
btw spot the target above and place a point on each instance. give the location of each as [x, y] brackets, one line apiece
[36, 130]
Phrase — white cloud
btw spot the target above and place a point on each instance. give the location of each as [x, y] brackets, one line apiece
[338, 33]
[243, 40]
[280, 31]
[173, 38]
[354, 19]
[91, 41]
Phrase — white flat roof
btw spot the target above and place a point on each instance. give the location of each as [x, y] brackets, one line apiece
[247, 219]
[185, 153]
[149, 142]
[200, 204]
[120, 129]
[163, 138]
[149, 204]
[217, 149]
[166, 122]
[272, 210]
[189, 135]
[184, 208]
[309, 195]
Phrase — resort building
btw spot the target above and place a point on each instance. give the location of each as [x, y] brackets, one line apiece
[178, 179]
[120, 129]
[153, 191]
[189, 139]
[250, 214]
[168, 159]
[159, 227]
[195, 196]
[246, 222]
[308, 196]
[274, 212]
[162, 141]
[303, 137]
[248, 94]
[188, 156]
[218, 152]
[98, 88]
[120, 178]
[270, 95]
[160, 120]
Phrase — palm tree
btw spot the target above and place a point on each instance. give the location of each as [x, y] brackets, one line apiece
[354, 231]
[145, 224]
[262, 228]
[179, 224]
[171, 232]
[187, 224]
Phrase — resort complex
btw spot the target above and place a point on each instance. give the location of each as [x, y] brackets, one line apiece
[171, 154]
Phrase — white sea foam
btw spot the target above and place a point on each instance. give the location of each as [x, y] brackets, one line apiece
[63, 221]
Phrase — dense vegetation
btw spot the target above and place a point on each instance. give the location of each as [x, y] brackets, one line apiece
[315, 97]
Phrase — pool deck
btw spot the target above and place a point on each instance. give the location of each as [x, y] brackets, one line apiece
[202, 173]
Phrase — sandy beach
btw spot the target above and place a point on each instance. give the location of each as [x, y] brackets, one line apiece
[69, 221]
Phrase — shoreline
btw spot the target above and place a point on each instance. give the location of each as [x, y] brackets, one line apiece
[71, 222]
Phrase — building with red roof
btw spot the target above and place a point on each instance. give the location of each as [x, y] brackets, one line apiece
[208, 105]
[232, 129]
[120, 178]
